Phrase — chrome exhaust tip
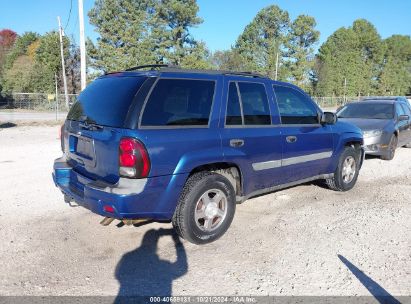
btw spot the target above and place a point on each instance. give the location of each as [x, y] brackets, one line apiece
[107, 221]
[134, 221]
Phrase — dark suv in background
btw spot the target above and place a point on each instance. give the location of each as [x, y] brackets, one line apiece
[186, 146]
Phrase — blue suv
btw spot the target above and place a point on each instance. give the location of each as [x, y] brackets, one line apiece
[185, 146]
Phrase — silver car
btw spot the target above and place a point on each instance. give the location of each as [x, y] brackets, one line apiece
[386, 124]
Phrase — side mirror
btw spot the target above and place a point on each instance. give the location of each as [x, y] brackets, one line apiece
[328, 118]
[403, 117]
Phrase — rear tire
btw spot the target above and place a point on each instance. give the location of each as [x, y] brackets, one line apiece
[346, 174]
[392, 146]
[205, 209]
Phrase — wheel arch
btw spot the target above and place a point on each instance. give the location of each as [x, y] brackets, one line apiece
[231, 171]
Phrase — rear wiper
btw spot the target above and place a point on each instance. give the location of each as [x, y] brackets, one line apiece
[90, 126]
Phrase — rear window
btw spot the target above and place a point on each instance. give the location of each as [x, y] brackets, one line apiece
[179, 102]
[106, 101]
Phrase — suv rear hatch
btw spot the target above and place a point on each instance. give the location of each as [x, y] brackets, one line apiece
[94, 126]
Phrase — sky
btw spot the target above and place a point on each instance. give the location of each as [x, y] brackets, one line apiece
[224, 20]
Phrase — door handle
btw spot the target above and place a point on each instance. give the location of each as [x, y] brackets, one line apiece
[291, 139]
[236, 143]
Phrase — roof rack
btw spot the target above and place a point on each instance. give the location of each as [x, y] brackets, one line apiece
[151, 66]
[173, 68]
[213, 72]
[382, 98]
[249, 74]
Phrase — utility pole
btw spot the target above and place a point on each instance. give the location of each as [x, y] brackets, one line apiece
[82, 45]
[276, 66]
[62, 62]
[57, 97]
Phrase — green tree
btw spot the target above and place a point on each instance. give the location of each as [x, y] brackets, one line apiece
[26, 76]
[196, 57]
[229, 60]
[395, 77]
[262, 39]
[302, 37]
[20, 47]
[272, 34]
[35, 60]
[123, 26]
[143, 32]
[48, 51]
[339, 59]
[173, 20]
[349, 61]
[48, 59]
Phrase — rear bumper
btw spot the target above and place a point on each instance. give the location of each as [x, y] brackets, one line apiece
[151, 198]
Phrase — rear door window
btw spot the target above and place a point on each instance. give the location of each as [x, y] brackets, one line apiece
[234, 114]
[254, 101]
[106, 101]
[399, 109]
[179, 102]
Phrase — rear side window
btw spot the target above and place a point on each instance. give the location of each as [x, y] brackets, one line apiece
[234, 115]
[406, 109]
[254, 103]
[399, 109]
[295, 107]
[179, 102]
[106, 101]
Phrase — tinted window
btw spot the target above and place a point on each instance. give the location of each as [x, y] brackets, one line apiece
[367, 110]
[106, 100]
[406, 109]
[295, 107]
[233, 116]
[255, 103]
[179, 102]
[400, 110]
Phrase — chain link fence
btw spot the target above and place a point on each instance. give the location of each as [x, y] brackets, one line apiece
[37, 101]
[51, 102]
[336, 102]
[333, 101]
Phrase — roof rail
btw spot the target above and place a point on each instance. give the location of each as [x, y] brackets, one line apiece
[151, 66]
[382, 97]
[214, 72]
[174, 68]
[249, 74]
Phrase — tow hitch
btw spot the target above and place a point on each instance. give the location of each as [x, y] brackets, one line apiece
[70, 201]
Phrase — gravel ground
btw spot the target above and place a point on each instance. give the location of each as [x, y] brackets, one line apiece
[305, 240]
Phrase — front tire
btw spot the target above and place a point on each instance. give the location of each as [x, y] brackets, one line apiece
[346, 174]
[392, 146]
[205, 209]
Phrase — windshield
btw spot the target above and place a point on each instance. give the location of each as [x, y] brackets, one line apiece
[367, 111]
[106, 101]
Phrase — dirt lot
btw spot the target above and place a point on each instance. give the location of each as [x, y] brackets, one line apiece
[306, 240]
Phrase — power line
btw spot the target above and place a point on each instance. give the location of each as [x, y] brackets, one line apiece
[68, 20]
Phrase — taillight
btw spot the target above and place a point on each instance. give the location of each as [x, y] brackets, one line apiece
[133, 158]
[61, 137]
